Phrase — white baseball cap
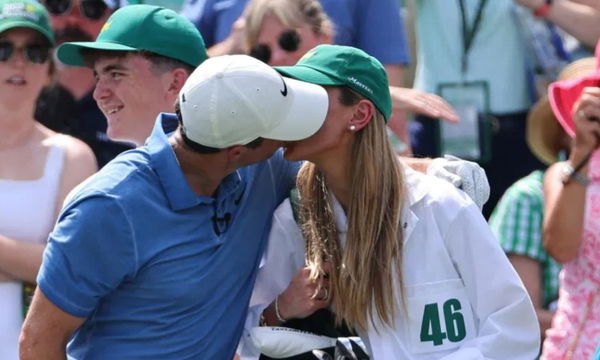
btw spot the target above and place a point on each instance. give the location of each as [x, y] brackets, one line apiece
[235, 99]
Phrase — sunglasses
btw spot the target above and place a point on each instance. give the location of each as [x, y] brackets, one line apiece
[288, 41]
[35, 53]
[91, 9]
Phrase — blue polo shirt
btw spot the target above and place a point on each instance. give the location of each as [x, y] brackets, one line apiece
[158, 271]
[374, 26]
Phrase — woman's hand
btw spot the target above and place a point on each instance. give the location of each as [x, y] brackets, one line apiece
[586, 117]
[304, 295]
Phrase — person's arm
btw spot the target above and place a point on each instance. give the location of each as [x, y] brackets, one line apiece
[398, 122]
[89, 253]
[283, 258]
[517, 223]
[422, 103]
[564, 213]
[530, 272]
[21, 260]
[579, 18]
[507, 327]
[383, 17]
[299, 300]
[564, 208]
[46, 330]
[417, 102]
[465, 175]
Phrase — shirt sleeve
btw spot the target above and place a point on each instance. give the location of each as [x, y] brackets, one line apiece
[283, 257]
[517, 222]
[380, 31]
[89, 253]
[285, 173]
[507, 327]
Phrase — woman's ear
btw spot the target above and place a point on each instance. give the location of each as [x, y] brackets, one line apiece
[363, 113]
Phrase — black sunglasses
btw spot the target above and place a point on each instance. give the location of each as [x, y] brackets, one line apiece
[35, 53]
[91, 9]
[288, 41]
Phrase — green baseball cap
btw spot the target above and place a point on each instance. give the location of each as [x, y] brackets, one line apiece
[336, 65]
[25, 13]
[143, 27]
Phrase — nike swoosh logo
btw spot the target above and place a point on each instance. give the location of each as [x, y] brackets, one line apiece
[284, 91]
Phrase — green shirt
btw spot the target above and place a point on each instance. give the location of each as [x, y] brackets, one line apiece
[517, 222]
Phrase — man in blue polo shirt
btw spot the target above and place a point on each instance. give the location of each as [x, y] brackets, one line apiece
[155, 256]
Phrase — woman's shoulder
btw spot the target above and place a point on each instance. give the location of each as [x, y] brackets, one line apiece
[432, 191]
[75, 150]
[78, 163]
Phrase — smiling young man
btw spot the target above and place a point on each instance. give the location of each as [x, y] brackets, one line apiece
[68, 105]
[141, 58]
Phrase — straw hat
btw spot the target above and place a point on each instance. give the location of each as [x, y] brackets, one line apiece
[544, 132]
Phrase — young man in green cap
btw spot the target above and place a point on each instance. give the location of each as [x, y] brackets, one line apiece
[67, 106]
[141, 59]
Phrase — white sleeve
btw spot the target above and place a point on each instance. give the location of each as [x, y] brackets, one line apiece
[507, 326]
[283, 257]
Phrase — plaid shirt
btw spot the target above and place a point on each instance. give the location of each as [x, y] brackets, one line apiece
[517, 223]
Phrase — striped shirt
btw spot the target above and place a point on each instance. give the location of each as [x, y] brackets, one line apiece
[517, 223]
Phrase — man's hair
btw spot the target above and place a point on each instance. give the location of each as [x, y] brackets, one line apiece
[160, 63]
[203, 149]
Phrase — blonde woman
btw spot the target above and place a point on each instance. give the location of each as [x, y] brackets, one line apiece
[37, 166]
[403, 258]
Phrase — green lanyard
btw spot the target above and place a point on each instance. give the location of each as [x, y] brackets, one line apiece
[468, 34]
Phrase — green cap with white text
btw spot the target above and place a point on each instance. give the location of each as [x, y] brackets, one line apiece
[335, 65]
[25, 13]
[143, 28]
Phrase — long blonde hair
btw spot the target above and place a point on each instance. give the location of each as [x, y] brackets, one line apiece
[291, 13]
[364, 272]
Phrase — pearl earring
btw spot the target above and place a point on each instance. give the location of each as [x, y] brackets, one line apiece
[352, 127]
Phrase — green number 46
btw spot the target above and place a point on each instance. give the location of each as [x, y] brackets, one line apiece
[431, 329]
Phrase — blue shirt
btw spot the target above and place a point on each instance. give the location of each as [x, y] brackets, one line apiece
[358, 23]
[158, 271]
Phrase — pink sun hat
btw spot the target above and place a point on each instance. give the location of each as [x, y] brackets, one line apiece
[564, 94]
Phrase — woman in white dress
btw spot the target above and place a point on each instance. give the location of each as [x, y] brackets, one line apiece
[37, 166]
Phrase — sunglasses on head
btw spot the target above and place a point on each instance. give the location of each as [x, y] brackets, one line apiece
[288, 41]
[35, 53]
[91, 9]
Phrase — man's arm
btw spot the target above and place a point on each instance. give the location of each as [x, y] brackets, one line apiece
[418, 102]
[580, 18]
[465, 175]
[46, 330]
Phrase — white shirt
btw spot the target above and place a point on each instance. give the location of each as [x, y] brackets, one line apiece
[464, 299]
